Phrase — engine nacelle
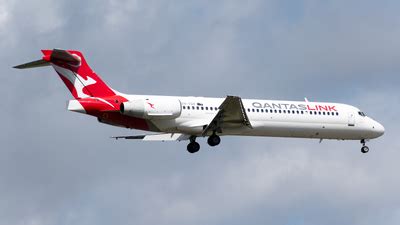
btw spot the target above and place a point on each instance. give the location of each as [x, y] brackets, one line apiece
[155, 108]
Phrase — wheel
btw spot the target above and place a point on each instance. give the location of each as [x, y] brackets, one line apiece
[193, 147]
[214, 140]
[364, 149]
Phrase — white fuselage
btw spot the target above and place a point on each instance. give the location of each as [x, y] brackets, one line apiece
[273, 118]
[186, 118]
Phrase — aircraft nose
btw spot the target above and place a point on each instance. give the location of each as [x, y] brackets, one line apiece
[378, 129]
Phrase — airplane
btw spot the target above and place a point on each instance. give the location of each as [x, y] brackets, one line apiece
[175, 118]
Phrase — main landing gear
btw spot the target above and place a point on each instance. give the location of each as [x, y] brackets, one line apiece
[364, 148]
[214, 140]
[194, 147]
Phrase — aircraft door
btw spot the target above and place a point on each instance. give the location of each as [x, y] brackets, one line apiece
[352, 120]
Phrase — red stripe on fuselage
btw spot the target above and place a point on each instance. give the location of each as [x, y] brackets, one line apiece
[109, 112]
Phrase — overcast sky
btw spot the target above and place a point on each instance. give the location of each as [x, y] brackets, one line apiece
[60, 167]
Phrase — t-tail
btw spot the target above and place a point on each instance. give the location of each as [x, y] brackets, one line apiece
[74, 71]
[92, 95]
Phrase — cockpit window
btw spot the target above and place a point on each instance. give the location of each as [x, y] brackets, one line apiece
[361, 114]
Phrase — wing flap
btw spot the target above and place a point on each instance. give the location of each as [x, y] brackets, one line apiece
[156, 137]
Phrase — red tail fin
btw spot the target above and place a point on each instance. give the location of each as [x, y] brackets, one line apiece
[73, 69]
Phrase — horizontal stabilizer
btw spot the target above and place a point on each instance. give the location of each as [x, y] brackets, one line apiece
[52, 56]
[157, 137]
[33, 64]
[62, 56]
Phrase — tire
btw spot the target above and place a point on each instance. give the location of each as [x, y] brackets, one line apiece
[214, 140]
[193, 147]
[364, 149]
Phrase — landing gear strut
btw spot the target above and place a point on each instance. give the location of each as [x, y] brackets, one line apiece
[214, 140]
[193, 146]
[364, 148]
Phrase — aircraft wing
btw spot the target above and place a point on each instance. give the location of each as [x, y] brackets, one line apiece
[157, 137]
[231, 111]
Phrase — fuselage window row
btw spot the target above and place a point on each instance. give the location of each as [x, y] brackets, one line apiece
[200, 108]
[294, 112]
[267, 111]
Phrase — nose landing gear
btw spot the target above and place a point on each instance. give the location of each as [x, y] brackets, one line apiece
[364, 148]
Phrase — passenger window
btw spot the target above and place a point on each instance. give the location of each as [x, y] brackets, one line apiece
[184, 107]
[302, 112]
[288, 111]
[216, 108]
[262, 110]
[193, 107]
[248, 110]
[337, 114]
[198, 108]
[252, 110]
[328, 113]
[323, 113]
[258, 110]
[280, 111]
[206, 108]
[202, 108]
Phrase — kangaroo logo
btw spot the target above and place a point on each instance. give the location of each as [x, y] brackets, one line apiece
[151, 105]
[76, 80]
[80, 83]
